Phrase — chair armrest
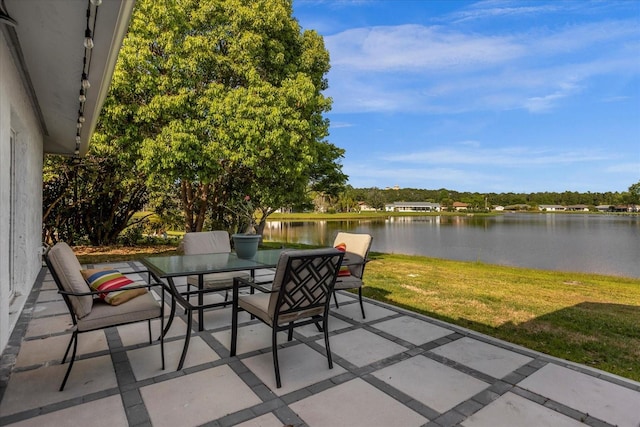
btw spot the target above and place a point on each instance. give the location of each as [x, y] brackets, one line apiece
[80, 294]
[139, 272]
[241, 281]
[348, 261]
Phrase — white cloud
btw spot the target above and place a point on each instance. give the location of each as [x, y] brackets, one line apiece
[438, 69]
[416, 47]
[631, 169]
[616, 99]
[495, 179]
[339, 125]
[493, 9]
[538, 104]
[361, 175]
[507, 157]
[471, 143]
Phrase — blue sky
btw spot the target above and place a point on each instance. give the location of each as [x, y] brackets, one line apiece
[489, 96]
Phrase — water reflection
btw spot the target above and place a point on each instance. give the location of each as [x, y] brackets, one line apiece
[604, 244]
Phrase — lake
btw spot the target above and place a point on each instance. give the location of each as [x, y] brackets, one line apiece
[591, 243]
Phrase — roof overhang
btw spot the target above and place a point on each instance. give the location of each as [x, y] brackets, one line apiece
[47, 46]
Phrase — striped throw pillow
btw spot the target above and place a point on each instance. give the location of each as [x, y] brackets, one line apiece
[114, 281]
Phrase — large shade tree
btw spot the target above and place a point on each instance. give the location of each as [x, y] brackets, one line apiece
[224, 99]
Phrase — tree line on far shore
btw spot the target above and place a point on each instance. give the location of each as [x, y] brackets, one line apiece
[349, 199]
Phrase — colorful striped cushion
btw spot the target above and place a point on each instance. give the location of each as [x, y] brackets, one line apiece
[112, 280]
[344, 270]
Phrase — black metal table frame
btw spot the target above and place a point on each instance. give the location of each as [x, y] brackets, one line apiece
[198, 265]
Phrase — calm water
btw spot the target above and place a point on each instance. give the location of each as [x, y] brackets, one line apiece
[605, 244]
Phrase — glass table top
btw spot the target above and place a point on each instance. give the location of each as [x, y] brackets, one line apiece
[185, 265]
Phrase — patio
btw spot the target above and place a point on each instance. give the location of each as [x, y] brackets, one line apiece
[396, 368]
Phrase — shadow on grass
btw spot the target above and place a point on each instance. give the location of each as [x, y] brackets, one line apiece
[605, 336]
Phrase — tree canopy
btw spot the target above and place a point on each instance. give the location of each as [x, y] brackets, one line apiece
[224, 99]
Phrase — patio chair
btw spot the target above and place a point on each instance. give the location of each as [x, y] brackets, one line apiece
[201, 243]
[211, 242]
[89, 310]
[299, 295]
[356, 247]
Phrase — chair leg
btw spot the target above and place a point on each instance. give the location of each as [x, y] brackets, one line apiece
[361, 305]
[74, 338]
[162, 327]
[290, 336]
[200, 303]
[251, 292]
[274, 350]
[187, 338]
[335, 298]
[66, 353]
[149, 325]
[171, 316]
[234, 327]
[326, 340]
[162, 340]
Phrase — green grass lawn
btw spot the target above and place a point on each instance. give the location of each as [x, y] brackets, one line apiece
[585, 318]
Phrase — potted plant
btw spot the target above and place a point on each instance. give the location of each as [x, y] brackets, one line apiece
[245, 242]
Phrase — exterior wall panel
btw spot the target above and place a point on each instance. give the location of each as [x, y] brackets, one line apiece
[20, 234]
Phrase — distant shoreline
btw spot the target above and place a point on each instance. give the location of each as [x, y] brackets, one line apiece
[377, 215]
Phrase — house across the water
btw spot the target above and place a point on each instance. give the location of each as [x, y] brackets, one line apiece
[412, 207]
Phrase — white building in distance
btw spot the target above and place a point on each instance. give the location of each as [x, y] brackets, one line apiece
[412, 207]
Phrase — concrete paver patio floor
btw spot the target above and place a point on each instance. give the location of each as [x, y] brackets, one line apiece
[393, 369]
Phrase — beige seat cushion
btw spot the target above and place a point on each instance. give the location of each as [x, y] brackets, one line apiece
[356, 261]
[218, 280]
[103, 315]
[67, 268]
[258, 305]
[348, 282]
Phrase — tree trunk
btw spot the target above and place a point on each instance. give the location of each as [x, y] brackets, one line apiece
[194, 199]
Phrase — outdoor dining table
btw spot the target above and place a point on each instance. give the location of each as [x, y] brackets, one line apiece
[170, 267]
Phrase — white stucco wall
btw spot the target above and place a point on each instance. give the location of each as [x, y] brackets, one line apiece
[16, 112]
